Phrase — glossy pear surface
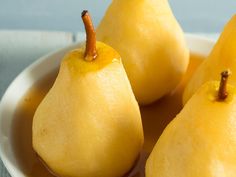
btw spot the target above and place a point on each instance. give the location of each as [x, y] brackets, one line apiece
[151, 44]
[201, 140]
[223, 56]
[89, 123]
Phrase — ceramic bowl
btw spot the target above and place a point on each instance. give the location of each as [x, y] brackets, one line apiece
[33, 73]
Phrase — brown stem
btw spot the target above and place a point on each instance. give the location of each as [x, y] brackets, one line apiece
[222, 94]
[90, 51]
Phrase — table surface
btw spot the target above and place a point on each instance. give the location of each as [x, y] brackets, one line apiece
[18, 49]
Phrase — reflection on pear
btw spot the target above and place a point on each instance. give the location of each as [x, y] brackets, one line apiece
[222, 56]
[201, 140]
[89, 123]
[151, 44]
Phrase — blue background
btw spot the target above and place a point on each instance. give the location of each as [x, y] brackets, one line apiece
[64, 15]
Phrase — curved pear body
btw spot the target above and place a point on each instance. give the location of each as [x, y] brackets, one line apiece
[223, 56]
[201, 140]
[89, 124]
[150, 42]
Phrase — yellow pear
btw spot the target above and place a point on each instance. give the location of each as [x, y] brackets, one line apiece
[151, 44]
[89, 123]
[201, 140]
[222, 56]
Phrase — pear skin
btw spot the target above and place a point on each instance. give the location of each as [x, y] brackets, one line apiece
[89, 123]
[222, 56]
[201, 140]
[151, 44]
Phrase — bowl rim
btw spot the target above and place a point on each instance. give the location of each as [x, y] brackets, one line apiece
[191, 39]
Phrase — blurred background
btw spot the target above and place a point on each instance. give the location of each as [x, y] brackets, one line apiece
[64, 15]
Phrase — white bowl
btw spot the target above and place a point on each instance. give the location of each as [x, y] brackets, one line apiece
[34, 73]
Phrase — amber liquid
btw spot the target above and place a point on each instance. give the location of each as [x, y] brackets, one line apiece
[155, 117]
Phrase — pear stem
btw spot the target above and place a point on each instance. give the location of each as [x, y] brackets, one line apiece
[222, 94]
[90, 51]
